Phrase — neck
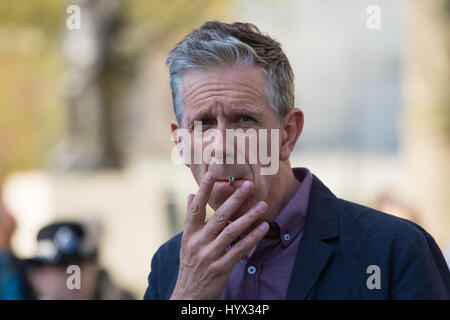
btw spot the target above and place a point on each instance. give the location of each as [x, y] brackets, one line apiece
[284, 188]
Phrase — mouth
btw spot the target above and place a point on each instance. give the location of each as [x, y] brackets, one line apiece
[231, 182]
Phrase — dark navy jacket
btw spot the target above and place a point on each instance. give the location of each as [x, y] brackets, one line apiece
[341, 241]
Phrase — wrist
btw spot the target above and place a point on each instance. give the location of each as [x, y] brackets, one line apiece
[176, 295]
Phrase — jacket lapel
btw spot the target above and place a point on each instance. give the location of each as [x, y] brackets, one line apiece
[313, 253]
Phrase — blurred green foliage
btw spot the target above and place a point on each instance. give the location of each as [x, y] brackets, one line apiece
[32, 105]
[30, 102]
[46, 15]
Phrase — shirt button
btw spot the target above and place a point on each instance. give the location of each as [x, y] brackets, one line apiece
[251, 270]
[287, 237]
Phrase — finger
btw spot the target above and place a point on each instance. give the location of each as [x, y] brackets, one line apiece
[195, 216]
[236, 228]
[189, 202]
[229, 260]
[190, 198]
[223, 214]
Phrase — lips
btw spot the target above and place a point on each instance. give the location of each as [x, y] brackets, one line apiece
[228, 179]
[224, 183]
[222, 174]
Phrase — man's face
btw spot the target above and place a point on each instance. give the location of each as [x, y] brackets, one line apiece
[229, 98]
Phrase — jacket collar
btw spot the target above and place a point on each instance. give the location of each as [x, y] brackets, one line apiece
[313, 253]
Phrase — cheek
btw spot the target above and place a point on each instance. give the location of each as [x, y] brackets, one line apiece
[263, 187]
[198, 172]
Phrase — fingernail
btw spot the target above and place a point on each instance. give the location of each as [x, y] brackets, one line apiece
[261, 207]
[263, 226]
[246, 186]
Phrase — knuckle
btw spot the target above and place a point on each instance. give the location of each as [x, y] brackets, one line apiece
[253, 214]
[254, 236]
[245, 244]
[240, 195]
[230, 232]
[240, 248]
[194, 209]
[203, 257]
[205, 184]
[193, 245]
[216, 268]
[219, 216]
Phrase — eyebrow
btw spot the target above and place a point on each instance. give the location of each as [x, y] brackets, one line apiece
[237, 112]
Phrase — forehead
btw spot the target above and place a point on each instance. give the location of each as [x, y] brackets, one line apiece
[224, 88]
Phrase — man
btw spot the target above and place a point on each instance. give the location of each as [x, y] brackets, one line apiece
[282, 235]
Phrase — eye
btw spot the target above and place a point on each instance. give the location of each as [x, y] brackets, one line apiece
[206, 122]
[246, 119]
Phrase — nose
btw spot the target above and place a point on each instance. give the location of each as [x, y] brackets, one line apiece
[217, 147]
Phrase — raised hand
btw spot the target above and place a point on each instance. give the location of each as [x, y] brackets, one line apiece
[205, 263]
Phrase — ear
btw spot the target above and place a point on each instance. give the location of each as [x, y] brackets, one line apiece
[291, 128]
[176, 139]
[173, 132]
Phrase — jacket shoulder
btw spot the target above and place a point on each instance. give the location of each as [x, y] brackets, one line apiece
[171, 245]
[378, 229]
[401, 248]
[164, 270]
[358, 215]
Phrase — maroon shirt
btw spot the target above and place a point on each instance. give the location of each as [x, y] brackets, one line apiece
[266, 274]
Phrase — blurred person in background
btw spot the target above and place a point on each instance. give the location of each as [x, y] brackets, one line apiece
[61, 245]
[13, 284]
[387, 203]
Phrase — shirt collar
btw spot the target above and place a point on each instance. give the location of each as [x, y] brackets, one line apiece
[290, 222]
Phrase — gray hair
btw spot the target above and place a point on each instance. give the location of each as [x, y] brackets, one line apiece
[216, 44]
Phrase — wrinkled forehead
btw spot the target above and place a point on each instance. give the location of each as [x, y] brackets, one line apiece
[230, 88]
